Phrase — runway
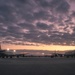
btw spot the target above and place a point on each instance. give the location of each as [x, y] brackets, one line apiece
[37, 66]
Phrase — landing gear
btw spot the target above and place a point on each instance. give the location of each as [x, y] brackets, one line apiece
[6, 56]
[17, 56]
[10, 56]
[3, 56]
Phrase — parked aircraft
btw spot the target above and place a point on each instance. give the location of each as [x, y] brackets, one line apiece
[56, 55]
[10, 53]
[70, 54]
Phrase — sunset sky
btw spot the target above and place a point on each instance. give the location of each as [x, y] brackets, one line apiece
[37, 24]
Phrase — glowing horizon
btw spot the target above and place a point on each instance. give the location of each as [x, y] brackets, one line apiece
[26, 23]
[40, 47]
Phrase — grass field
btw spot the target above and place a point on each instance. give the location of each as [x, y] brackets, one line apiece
[37, 66]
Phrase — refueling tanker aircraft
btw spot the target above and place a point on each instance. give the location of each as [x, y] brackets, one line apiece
[10, 53]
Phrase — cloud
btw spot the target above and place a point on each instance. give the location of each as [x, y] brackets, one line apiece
[39, 21]
[61, 6]
[73, 14]
[42, 26]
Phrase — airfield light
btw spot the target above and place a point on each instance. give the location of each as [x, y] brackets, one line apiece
[14, 50]
[43, 53]
[7, 49]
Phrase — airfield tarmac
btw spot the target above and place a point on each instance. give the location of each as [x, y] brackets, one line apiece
[37, 66]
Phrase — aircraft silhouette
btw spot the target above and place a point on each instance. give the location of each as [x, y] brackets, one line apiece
[10, 53]
[70, 54]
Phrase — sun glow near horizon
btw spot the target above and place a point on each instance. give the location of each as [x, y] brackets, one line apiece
[40, 47]
[26, 23]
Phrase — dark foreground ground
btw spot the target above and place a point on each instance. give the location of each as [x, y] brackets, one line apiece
[37, 66]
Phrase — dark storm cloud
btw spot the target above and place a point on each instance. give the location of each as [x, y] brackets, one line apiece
[42, 26]
[73, 14]
[53, 18]
[41, 15]
[43, 3]
[63, 7]
[72, 0]
[26, 25]
[60, 6]
[40, 21]
[22, 1]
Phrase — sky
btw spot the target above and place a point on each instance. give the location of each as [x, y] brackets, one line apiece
[37, 24]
